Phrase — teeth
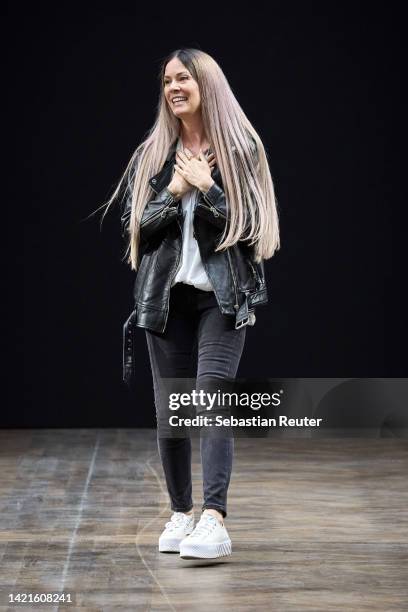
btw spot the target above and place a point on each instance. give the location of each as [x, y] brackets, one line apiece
[179, 99]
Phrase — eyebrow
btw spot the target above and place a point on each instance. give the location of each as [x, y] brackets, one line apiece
[166, 76]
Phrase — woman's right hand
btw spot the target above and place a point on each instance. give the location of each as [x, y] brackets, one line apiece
[178, 186]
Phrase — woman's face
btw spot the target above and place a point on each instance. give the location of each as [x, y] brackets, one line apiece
[179, 83]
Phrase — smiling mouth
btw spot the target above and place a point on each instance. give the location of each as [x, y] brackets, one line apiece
[180, 100]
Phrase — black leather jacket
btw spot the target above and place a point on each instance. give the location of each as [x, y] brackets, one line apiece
[238, 281]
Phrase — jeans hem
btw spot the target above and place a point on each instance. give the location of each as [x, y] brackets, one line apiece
[215, 507]
[181, 509]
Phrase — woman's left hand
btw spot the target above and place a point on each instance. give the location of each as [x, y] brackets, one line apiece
[195, 170]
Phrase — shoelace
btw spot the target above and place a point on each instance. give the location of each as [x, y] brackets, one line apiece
[205, 525]
[176, 521]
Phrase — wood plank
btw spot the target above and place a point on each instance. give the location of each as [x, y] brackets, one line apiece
[316, 524]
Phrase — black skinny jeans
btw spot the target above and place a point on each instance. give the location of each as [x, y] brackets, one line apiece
[195, 321]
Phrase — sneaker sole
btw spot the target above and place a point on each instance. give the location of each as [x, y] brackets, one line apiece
[170, 544]
[209, 551]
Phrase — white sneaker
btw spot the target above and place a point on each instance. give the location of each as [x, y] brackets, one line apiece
[209, 540]
[177, 528]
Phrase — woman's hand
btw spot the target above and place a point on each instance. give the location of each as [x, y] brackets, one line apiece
[195, 170]
[178, 186]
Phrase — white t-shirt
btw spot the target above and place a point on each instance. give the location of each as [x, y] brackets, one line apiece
[191, 270]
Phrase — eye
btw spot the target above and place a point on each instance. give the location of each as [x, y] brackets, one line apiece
[182, 78]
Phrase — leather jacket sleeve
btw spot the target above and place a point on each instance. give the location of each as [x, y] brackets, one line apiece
[161, 210]
[212, 206]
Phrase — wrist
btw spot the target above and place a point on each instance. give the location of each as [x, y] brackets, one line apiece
[173, 191]
[207, 185]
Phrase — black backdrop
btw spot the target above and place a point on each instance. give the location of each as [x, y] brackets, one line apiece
[322, 86]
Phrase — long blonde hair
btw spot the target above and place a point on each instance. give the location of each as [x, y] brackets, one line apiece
[239, 152]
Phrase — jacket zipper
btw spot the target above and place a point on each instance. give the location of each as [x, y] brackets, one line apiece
[214, 211]
[236, 305]
[202, 260]
[158, 213]
[173, 276]
[253, 270]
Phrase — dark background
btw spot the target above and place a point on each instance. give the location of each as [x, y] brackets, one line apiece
[321, 85]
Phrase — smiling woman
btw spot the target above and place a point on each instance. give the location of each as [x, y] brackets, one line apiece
[200, 215]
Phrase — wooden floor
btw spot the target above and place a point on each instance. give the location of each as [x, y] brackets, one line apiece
[315, 524]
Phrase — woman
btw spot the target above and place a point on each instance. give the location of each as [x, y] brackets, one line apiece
[200, 214]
